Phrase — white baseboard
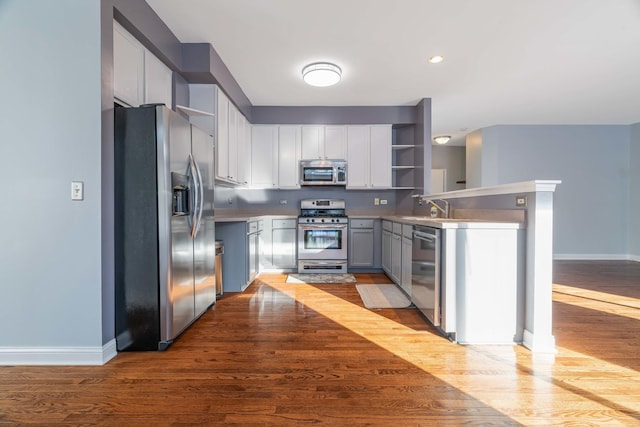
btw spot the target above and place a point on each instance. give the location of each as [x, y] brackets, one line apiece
[58, 355]
[595, 257]
[538, 343]
[635, 258]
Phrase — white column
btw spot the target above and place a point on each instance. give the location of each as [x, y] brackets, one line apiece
[538, 335]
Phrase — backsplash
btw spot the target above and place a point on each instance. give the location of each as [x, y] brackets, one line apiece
[283, 201]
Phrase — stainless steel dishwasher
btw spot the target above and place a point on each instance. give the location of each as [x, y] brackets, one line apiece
[425, 272]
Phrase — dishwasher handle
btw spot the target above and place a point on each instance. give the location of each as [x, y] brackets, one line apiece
[425, 236]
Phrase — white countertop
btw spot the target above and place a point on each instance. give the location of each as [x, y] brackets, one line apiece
[454, 222]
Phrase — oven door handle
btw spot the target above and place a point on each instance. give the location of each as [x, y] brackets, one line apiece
[322, 227]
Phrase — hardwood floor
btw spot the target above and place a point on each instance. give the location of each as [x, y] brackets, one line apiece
[289, 354]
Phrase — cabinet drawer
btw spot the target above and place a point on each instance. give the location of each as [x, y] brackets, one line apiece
[407, 231]
[283, 223]
[397, 228]
[361, 223]
[252, 227]
[387, 225]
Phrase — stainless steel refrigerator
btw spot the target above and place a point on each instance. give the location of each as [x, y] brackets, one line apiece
[164, 226]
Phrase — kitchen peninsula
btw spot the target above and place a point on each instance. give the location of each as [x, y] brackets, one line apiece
[481, 208]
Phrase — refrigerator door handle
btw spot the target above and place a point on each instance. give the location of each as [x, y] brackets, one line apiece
[201, 198]
[196, 196]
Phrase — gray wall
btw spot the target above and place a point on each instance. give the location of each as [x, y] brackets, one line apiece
[453, 160]
[634, 193]
[591, 204]
[50, 273]
[270, 200]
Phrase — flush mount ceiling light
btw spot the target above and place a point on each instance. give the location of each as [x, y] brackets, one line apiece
[436, 59]
[321, 74]
[443, 139]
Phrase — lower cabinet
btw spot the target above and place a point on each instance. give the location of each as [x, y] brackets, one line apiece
[253, 244]
[361, 243]
[407, 245]
[396, 253]
[235, 262]
[387, 227]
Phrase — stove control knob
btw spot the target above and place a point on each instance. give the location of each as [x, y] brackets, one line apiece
[322, 219]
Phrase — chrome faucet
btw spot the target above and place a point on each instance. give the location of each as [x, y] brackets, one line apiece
[445, 210]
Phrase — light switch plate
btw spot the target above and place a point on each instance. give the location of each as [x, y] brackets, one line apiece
[77, 190]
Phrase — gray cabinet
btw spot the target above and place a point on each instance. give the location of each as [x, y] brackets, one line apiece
[387, 227]
[235, 264]
[396, 252]
[405, 279]
[283, 244]
[254, 228]
[361, 243]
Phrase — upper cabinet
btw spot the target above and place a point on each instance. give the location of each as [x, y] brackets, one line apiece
[323, 142]
[264, 156]
[231, 130]
[158, 81]
[335, 142]
[289, 147]
[369, 157]
[138, 76]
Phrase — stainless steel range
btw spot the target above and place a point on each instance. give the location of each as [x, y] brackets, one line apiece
[322, 236]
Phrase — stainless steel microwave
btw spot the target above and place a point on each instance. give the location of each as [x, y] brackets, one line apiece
[323, 172]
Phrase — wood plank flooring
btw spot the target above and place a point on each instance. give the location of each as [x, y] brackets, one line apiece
[293, 355]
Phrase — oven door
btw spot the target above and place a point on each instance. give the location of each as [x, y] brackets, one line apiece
[317, 241]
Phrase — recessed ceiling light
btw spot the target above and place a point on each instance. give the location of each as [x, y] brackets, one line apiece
[442, 139]
[436, 59]
[321, 74]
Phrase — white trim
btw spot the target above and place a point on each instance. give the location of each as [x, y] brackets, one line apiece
[513, 188]
[58, 355]
[539, 344]
[593, 257]
[635, 258]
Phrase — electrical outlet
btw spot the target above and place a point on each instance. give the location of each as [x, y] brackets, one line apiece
[283, 201]
[521, 201]
[383, 201]
[376, 201]
[230, 200]
[77, 190]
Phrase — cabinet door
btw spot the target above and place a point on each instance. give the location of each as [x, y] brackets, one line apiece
[361, 247]
[380, 156]
[243, 152]
[396, 258]
[128, 67]
[233, 142]
[158, 81]
[357, 156]
[288, 157]
[405, 279]
[222, 136]
[264, 150]
[386, 251]
[312, 140]
[284, 248]
[254, 255]
[335, 142]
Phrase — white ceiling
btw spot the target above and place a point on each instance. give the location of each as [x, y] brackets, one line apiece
[506, 61]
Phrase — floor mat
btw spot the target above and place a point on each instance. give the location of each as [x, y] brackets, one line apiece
[321, 278]
[383, 296]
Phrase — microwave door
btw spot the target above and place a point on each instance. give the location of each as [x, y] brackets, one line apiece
[318, 174]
